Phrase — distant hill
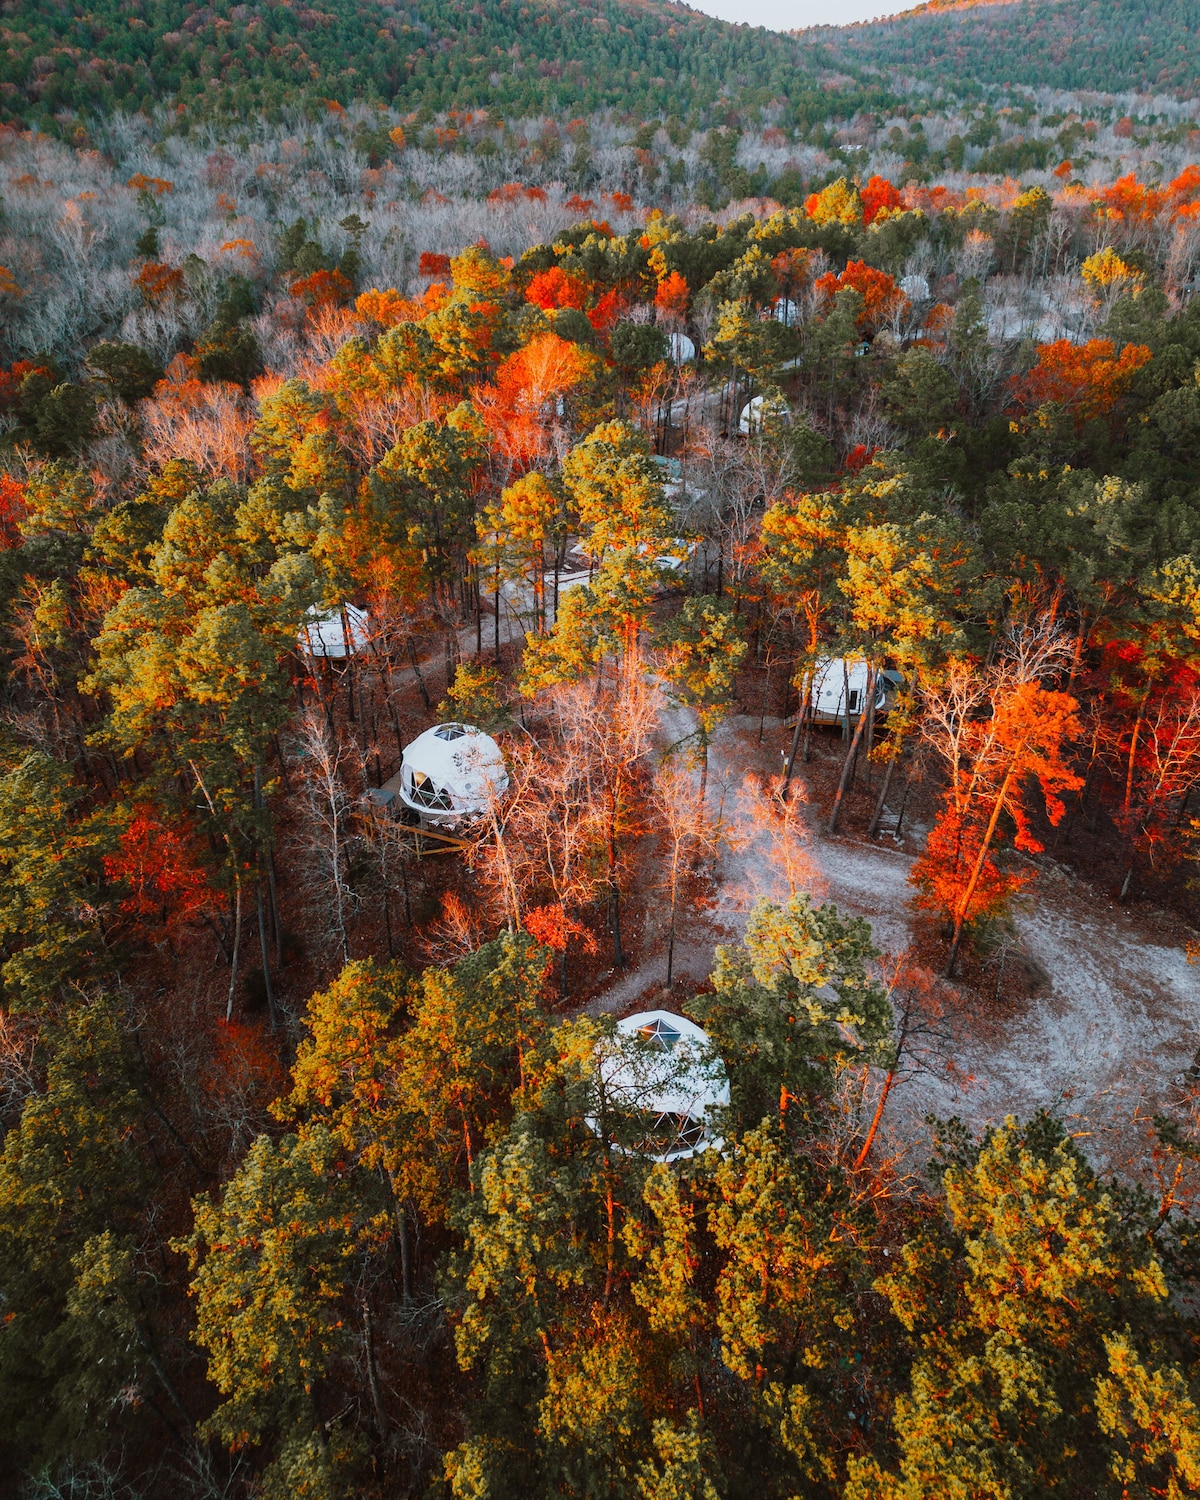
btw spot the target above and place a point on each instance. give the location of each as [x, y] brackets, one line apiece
[645, 56]
[1151, 46]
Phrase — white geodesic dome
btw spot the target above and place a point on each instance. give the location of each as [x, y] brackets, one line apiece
[661, 1073]
[324, 632]
[763, 412]
[451, 773]
[682, 348]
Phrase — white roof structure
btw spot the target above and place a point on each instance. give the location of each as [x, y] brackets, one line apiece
[785, 311]
[751, 419]
[915, 288]
[451, 773]
[760, 411]
[682, 348]
[323, 631]
[834, 676]
[661, 1072]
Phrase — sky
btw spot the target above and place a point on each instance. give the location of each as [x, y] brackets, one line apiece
[791, 15]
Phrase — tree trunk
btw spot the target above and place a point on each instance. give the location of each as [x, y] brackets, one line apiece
[262, 917]
[881, 803]
[276, 920]
[762, 707]
[614, 921]
[400, 1216]
[871, 729]
[381, 1420]
[671, 927]
[901, 1039]
[802, 716]
[861, 1158]
[965, 900]
[159, 1369]
[496, 609]
[848, 763]
[412, 656]
[614, 891]
[272, 1012]
[237, 939]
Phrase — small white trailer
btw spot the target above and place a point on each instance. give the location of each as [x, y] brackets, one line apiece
[839, 687]
[335, 633]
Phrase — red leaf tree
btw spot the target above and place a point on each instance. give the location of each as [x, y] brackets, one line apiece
[1003, 736]
[156, 863]
[1087, 380]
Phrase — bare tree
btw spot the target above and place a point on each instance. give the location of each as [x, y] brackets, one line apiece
[327, 836]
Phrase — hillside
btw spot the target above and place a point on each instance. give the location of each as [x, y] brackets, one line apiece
[650, 57]
[1141, 45]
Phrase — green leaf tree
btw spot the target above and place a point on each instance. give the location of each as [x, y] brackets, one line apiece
[703, 649]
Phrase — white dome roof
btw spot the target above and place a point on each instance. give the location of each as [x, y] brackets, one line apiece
[761, 410]
[662, 1069]
[451, 771]
[682, 348]
[323, 632]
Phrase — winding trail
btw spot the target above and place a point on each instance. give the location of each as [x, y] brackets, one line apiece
[1113, 1014]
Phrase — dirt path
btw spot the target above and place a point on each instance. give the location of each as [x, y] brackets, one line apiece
[1112, 1011]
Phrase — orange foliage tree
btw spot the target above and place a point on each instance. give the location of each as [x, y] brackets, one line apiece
[388, 308]
[1131, 202]
[879, 197]
[158, 282]
[1151, 741]
[672, 295]
[555, 287]
[881, 297]
[1001, 735]
[322, 288]
[522, 408]
[206, 422]
[156, 863]
[12, 508]
[1085, 379]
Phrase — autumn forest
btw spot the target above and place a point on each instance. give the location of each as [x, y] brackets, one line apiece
[798, 498]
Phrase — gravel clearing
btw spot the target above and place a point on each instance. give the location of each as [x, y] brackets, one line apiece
[1099, 1033]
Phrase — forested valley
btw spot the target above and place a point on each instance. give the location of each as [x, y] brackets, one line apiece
[632, 443]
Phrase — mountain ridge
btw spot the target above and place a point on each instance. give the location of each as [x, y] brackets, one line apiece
[1141, 46]
[647, 58]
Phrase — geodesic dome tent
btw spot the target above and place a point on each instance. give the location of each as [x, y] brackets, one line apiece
[335, 633]
[761, 413]
[661, 1079]
[451, 773]
[681, 348]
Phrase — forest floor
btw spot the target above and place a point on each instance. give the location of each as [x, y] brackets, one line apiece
[1094, 1013]
[1088, 1008]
